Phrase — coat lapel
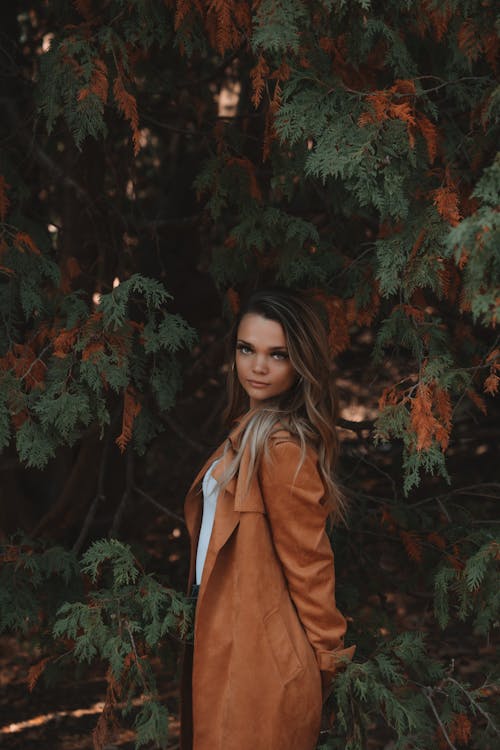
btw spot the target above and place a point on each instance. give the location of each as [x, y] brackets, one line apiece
[230, 503]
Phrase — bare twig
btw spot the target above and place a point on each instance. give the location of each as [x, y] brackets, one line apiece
[43, 159]
[198, 447]
[428, 694]
[127, 494]
[347, 424]
[158, 505]
[215, 412]
[137, 659]
[99, 495]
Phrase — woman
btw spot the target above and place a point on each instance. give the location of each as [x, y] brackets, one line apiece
[268, 637]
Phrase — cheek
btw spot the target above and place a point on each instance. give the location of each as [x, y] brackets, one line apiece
[240, 363]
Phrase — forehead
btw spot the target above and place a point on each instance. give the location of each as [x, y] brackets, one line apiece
[254, 329]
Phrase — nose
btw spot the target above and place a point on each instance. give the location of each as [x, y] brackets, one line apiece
[260, 363]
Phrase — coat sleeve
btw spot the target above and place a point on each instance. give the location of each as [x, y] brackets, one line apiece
[294, 502]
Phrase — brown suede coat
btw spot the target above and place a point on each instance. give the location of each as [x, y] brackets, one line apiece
[267, 629]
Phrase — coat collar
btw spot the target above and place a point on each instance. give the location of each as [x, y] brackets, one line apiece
[234, 500]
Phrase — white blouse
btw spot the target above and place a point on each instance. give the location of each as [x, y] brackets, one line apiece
[210, 494]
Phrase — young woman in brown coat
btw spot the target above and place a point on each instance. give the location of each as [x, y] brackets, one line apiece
[268, 636]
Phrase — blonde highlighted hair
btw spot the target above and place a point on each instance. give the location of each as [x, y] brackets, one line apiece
[308, 410]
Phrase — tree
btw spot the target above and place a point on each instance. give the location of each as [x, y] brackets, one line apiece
[344, 147]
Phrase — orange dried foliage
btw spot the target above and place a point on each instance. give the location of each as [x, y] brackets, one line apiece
[460, 729]
[339, 337]
[464, 257]
[249, 168]
[131, 408]
[383, 107]
[182, 10]
[455, 560]
[99, 84]
[430, 416]
[269, 130]
[19, 418]
[107, 720]
[443, 408]
[35, 672]
[23, 242]
[282, 73]
[413, 545]
[417, 244]
[493, 356]
[431, 135]
[70, 270]
[468, 40]
[327, 45]
[477, 400]
[363, 316]
[64, 341]
[439, 17]
[93, 348]
[4, 198]
[491, 384]
[445, 198]
[228, 23]
[386, 519]
[415, 313]
[234, 300]
[468, 204]
[258, 75]
[388, 397]
[491, 46]
[24, 363]
[127, 104]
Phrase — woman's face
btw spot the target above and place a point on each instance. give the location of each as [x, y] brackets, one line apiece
[262, 361]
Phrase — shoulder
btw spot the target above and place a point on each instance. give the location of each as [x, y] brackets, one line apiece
[286, 459]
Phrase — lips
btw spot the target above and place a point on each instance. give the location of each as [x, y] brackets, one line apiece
[257, 384]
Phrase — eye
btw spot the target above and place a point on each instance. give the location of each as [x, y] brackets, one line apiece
[280, 355]
[243, 348]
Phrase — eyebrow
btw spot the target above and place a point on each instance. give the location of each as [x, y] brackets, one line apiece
[271, 348]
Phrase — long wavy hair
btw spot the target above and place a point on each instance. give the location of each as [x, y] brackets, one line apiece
[309, 409]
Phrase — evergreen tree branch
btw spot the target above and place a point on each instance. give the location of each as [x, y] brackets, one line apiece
[476, 705]
[43, 159]
[158, 505]
[427, 691]
[145, 686]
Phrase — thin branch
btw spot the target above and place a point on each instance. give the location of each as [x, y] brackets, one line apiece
[217, 408]
[127, 494]
[476, 706]
[158, 505]
[43, 159]
[137, 659]
[99, 496]
[347, 424]
[198, 447]
[428, 692]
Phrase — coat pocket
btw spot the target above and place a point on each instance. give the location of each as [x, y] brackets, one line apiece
[287, 661]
